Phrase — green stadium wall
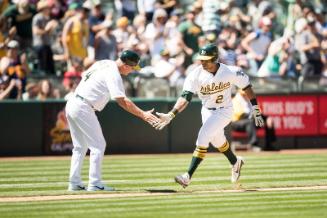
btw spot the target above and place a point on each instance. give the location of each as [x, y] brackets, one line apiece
[39, 128]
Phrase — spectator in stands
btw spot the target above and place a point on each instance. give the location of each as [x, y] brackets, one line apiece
[235, 17]
[42, 32]
[7, 86]
[31, 91]
[121, 32]
[173, 38]
[190, 33]
[4, 4]
[96, 20]
[15, 65]
[129, 9]
[146, 8]
[5, 36]
[105, 43]
[75, 34]
[278, 62]
[165, 68]
[20, 16]
[58, 9]
[139, 24]
[257, 43]
[211, 19]
[140, 46]
[46, 91]
[168, 5]
[154, 33]
[227, 45]
[256, 9]
[309, 42]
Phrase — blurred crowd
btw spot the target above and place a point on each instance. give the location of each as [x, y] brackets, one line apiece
[49, 39]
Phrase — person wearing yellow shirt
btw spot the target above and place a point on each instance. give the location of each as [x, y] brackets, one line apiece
[75, 33]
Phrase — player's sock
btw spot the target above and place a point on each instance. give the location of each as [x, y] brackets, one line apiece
[225, 149]
[198, 155]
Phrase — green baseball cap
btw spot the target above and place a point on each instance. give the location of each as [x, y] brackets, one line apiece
[131, 58]
[208, 52]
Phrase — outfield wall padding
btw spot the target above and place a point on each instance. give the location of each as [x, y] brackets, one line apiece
[21, 128]
[40, 128]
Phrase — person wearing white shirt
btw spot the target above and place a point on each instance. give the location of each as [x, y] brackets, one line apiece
[100, 83]
[212, 82]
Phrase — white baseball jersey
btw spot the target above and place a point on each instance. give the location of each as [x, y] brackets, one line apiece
[215, 90]
[101, 82]
[215, 94]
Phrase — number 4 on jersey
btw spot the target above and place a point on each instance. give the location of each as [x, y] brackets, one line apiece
[88, 74]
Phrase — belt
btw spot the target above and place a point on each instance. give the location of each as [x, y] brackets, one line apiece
[214, 108]
[85, 101]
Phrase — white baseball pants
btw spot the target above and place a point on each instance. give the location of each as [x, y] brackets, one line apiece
[86, 133]
[213, 124]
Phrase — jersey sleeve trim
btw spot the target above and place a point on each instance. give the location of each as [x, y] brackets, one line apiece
[187, 95]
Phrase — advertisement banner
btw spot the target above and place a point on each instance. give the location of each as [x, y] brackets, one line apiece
[323, 114]
[56, 134]
[292, 115]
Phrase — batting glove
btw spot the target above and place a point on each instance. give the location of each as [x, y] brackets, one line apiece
[165, 119]
[257, 116]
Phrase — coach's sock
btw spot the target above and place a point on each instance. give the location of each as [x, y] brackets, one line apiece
[198, 155]
[225, 149]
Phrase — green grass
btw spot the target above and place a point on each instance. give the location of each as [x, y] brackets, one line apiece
[145, 173]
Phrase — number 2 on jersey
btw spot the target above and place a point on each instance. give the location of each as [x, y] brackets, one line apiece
[219, 99]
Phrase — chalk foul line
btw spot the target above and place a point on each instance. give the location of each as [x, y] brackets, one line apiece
[148, 194]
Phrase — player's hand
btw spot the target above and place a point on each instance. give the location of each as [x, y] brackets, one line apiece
[164, 120]
[257, 116]
[149, 117]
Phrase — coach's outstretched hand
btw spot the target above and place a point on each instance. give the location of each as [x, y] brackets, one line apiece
[257, 116]
[164, 120]
[150, 118]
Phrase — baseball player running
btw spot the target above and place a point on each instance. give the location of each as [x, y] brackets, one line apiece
[212, 82]
[101, 80]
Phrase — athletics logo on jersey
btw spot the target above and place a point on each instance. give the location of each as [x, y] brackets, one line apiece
[214, 88]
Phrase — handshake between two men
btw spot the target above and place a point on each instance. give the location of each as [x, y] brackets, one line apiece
[165, 118]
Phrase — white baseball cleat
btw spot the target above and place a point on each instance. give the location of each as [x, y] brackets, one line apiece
[184, 179]
[236, 169]
[99, 188]
[74, 187]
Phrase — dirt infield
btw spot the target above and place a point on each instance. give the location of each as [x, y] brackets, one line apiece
[148, 194]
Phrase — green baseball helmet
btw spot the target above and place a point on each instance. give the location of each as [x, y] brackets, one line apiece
[131, 58]
[208, 52]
